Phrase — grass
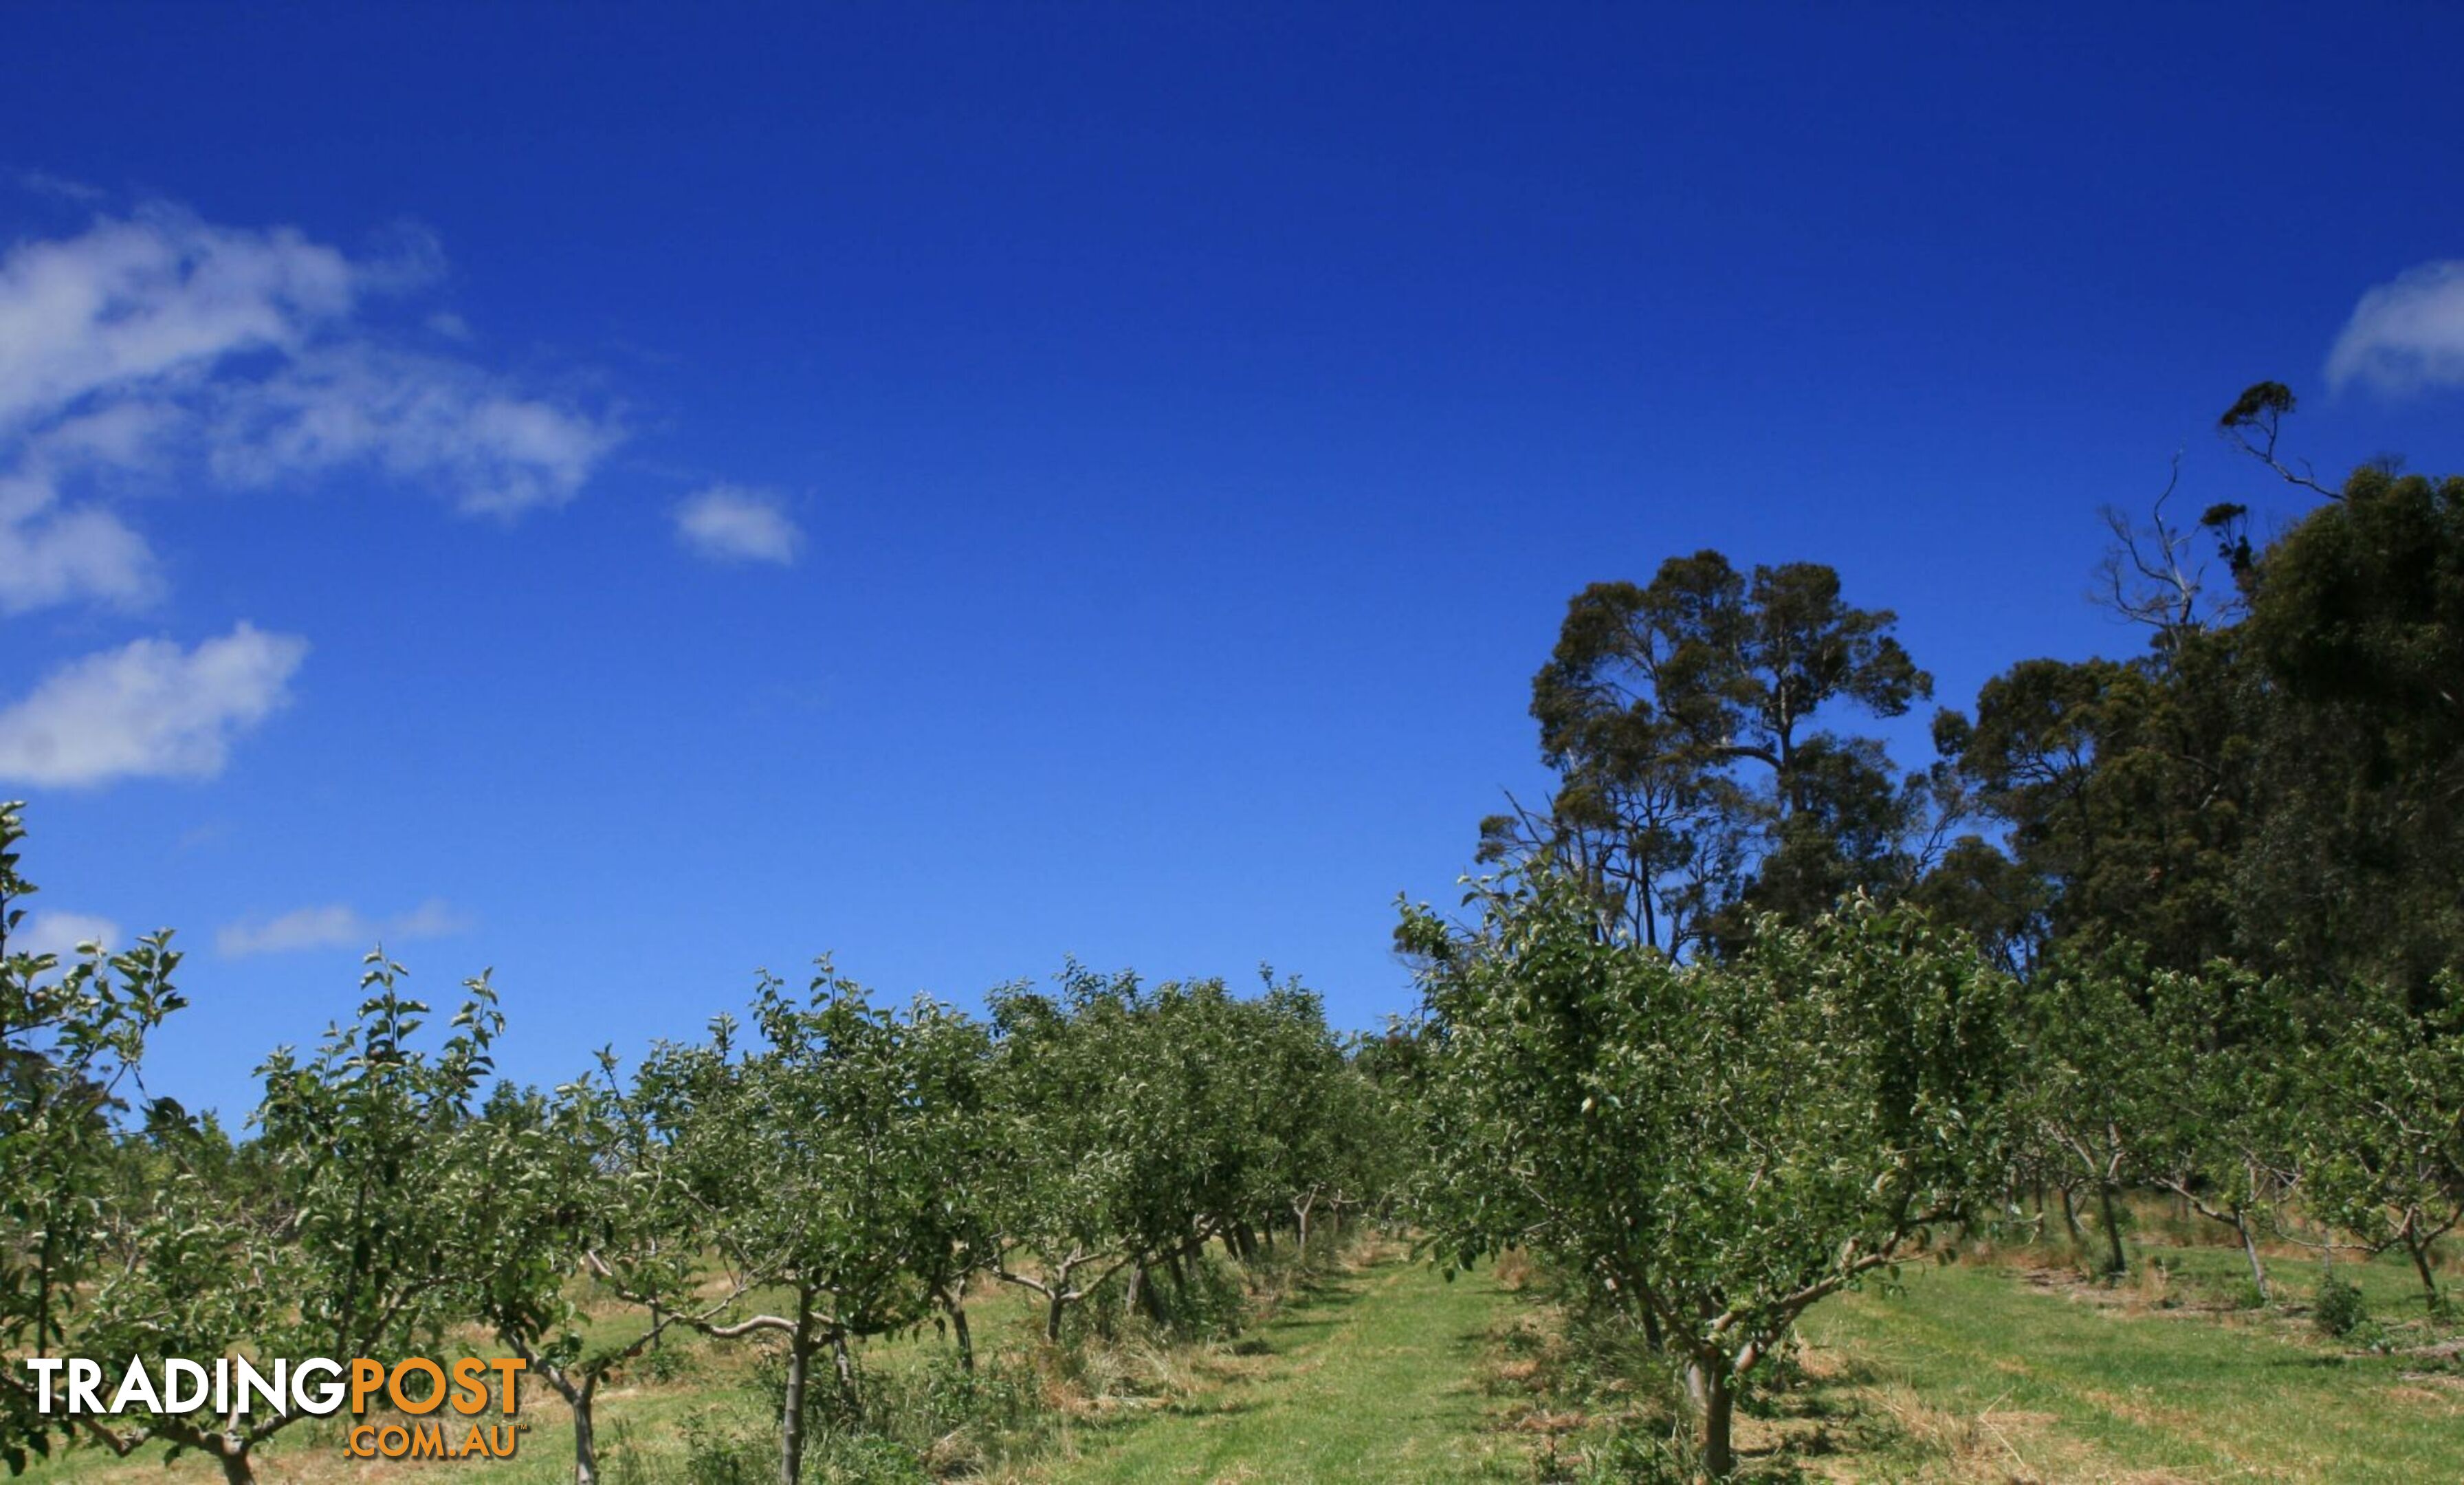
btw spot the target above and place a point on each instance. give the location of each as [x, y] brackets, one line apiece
[1365, 1371]
[1983, 1373]
[1370, 1376]
[1378, 1369]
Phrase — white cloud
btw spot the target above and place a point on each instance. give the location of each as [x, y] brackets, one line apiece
[737, 524]
[336, 927]
[134, 303]
[156, 346]
[60, 933]
[420, 419]
[2406, 334]
[51, 552]
[147, 709]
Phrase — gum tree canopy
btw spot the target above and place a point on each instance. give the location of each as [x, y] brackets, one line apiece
[1697, 783]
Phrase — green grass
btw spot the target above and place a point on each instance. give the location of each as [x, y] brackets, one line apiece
[1371, 1377]
[1980, 1373]
[1369, 1373]
[1380, 1370]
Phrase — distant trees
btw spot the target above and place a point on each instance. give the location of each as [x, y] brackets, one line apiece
[1697, 783]
[2279, 779]
[1148, 1121]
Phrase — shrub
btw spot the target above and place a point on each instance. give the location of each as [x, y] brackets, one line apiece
[2338, 1309]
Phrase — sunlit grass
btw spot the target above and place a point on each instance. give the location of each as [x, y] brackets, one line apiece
[1978, 1372]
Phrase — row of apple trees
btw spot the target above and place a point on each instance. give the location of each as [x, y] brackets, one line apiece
[1707, 1147]
[828, 1168]
[1751, 1012]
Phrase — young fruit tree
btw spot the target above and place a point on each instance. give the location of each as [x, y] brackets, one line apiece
[69, 1038]
[2228, 1088]
[2094, 1068]
[1710, 1148]
[582, 1199]
[2389, 1109]
[831, 1162]
[347, 1237]
[1065, 1095]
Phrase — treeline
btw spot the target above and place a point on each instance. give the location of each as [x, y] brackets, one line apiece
[830, 1169]
[1750, 1010]
[2276, 778]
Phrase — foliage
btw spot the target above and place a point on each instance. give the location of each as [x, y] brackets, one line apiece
[69, 1038]
[1696, 783]
[2277, 780]
[834, 1161]
[1716, 1146]
[356, 1242]
[580, 1189]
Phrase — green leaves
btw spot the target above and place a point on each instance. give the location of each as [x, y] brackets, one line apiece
[69, 1038]
[1696, 786]
[1715, 1146]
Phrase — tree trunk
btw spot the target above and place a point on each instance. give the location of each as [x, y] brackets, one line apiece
[966, 1341]
[848, 1398]
[1651, 1333]
[1144, 1298]
[2420, 1252]
[585, 1438]
[2250, 1250]
[2116, 1263]
[2070, 1219]
[1714, 1396]
[236, 1468]
[791, 1410]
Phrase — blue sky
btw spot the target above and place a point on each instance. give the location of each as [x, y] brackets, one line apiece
[628, 496]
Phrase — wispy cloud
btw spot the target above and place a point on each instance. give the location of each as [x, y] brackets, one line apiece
[739, 523]
[336, 927]
[147, 709]
[2406, 334]
[155, 348]
[62, 933]
[42, 183]
[420, 419]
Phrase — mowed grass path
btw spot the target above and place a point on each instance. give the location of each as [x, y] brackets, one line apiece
[1372, 1377]
[2038, 1383]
